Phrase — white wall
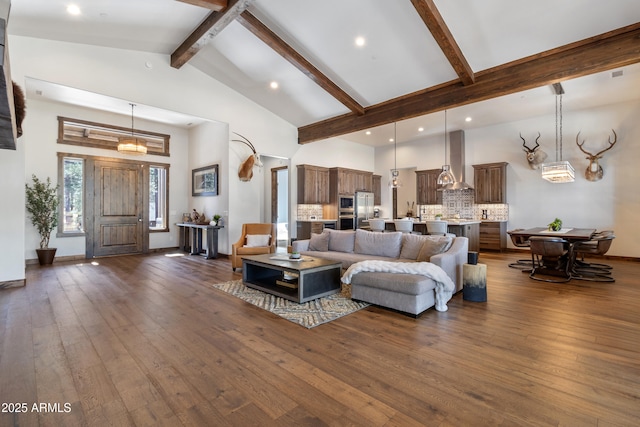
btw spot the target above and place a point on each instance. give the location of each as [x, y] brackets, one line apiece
[208, 145]
[612, 203]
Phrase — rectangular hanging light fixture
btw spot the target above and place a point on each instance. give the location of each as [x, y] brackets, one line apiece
[558, 172]
[561, 170]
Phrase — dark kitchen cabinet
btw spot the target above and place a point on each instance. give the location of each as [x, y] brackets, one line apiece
[490, 182]
[427, 188]
[313, 184]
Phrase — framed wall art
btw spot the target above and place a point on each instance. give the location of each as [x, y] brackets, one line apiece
[204, 181]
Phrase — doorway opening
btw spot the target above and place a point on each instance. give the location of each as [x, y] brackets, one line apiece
[280, 205]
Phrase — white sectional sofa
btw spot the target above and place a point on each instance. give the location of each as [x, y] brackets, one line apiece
[409, 293]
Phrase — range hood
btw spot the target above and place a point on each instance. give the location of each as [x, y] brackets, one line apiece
[456, 160]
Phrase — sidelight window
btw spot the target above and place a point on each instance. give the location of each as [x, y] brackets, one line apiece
[72, 195]
[158, 194]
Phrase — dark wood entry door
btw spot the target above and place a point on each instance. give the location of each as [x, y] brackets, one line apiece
[119, 215]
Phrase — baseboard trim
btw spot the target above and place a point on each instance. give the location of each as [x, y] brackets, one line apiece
[34, 261]
[13, 283]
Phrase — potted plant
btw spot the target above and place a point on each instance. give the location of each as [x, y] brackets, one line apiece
[42, 205]
[556, 225]
[438, 217]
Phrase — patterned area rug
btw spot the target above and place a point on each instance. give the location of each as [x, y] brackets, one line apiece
[309, 314]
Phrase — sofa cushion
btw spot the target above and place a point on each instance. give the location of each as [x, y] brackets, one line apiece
[341, 240]
[378, 244]
[404, 283]
[319, 242]
[433, 245]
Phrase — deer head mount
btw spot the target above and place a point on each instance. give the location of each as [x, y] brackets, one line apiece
[535, 155]
[594, 171]
[245, 171]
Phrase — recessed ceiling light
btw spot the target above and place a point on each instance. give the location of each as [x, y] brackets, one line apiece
[360, 41]
[420, 129]
[73, 9]
[390, 139]
[274, 85]
[468, 119]
[368, 132]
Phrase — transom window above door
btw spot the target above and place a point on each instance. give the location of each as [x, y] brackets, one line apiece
[98, 135]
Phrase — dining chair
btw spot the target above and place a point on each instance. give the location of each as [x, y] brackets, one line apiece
[550, 258]
[598, 245]
[520, 242]
[437, 227]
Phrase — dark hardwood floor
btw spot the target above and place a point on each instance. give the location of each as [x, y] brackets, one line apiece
[145, 340]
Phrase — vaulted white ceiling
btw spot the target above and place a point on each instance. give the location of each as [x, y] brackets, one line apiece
[399, 57]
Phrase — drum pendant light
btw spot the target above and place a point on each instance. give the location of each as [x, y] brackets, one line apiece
[131, 144]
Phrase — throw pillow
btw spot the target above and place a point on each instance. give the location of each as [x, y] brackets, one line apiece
[433, 245]
[411, 245]
[342, 240]
[378, 244]
[319, 242]
[254, 240]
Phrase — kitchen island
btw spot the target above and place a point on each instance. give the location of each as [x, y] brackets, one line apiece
[461, 227]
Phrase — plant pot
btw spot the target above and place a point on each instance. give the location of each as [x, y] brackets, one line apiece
[45, 256]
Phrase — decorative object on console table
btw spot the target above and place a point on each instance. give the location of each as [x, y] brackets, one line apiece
[42, 204]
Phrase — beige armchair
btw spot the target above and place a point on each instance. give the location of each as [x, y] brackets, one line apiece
[245, 245]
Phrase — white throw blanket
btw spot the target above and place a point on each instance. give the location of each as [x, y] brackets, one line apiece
[444, 284]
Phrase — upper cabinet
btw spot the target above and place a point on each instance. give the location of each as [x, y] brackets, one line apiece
[313, 184]
[350, 180]
[427, 188]
[490, 182]
[377, 189]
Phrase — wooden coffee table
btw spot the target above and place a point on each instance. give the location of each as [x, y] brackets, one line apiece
[298, 281]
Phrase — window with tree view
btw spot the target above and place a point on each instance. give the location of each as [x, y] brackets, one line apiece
[158, 197]
[73, 191]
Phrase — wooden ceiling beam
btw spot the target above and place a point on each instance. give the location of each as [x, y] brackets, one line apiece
[606, 51]
[208, 4]
[272, 40]
[434, 22]
[215, 22]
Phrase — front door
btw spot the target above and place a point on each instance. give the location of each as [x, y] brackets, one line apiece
[119, 215]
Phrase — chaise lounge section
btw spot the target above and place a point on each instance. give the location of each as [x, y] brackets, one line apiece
[408, 284]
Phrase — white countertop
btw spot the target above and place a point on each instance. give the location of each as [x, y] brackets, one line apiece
[452, 221]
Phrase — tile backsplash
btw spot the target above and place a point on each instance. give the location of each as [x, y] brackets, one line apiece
[461, 202]
[305, 212]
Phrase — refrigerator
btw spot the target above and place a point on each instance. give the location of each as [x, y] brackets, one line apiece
[363, 208]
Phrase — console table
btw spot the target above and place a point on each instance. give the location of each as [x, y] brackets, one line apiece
[191, 239]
